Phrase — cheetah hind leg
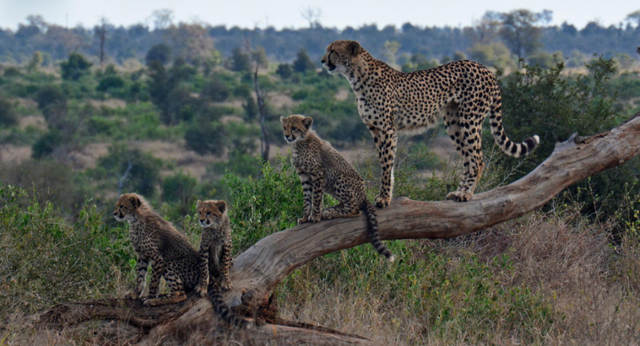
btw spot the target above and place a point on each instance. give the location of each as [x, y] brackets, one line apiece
[339, 211]
[176, 294]
[171, 298]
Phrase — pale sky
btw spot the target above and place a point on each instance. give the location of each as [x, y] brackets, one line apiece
[286, 13]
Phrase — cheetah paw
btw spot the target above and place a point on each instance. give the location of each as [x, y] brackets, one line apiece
[131, 295]
[303, 220]
[315, 218]
[201, 291]
[459, 196]
[383, 201]
[226, 286]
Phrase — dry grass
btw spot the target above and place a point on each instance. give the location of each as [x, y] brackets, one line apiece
[558, 260]
[570, 264]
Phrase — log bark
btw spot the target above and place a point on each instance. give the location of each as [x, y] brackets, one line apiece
[260, 268]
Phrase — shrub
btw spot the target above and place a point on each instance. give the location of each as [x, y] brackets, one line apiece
[75, 67]
[45, 261]
[216, 90]
[46, 144]
[110, 83]
[303, 63]
[144, 174]
[179, 187]
[205, 137]
[160, 53]
[285, 71]
[8, 115]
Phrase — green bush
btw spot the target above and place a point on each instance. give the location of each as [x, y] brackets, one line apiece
[45, 261]
[46, 144]
[205, 137]
[111, 83]
[179, 187]
[216, 91]
[160, 53]
[144, 175]
[75, 67]
[8, 114]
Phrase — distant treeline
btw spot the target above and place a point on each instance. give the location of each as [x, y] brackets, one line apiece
[122, 43]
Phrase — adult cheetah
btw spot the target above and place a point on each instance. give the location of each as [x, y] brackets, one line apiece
[462, 92]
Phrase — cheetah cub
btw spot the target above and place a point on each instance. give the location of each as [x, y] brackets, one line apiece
[323, 170]
[156, 241]
[215, 257]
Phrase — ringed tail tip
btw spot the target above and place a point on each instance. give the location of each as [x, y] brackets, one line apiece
[392, 258]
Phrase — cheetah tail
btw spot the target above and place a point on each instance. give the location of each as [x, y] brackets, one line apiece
[374, 236]
[225, 313]
[507, 145]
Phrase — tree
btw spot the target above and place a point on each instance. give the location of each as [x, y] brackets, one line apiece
[285, 71]
[191, 42]
[101, 33]
[159, 52]
[303, 63]
[8, 115]
[35, 62]
[634, 17]
[240, 61]
[389, 51]
[162, 19]
[519, 30]
[206, 137]
[312, 15]
[259, 56]
[494, 54]
[144, 173]
[38, 22]
[75, 67]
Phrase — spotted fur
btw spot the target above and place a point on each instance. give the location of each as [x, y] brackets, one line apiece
[323, 170]
[389, 102]
[158, 243]
[215, 257]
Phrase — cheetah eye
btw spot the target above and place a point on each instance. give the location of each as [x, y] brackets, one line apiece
[208, 213]
[294, 128]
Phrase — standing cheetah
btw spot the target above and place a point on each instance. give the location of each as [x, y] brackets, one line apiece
[389, 101]
[322, 169]
[156, 241]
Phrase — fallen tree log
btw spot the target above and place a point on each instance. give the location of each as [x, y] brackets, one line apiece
[260, 268]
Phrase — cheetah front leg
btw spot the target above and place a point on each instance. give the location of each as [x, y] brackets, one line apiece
[318, 184]
[141, 270]
[386, 142]
[307, 191]
[225, 264]
[203, 254]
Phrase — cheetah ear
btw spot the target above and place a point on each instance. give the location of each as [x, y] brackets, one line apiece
[307, 121]
[281, 119]
[198, 204]
[354, 48]
[135, 201]
[222, 206]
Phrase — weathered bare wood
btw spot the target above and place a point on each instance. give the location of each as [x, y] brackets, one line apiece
[256, 271]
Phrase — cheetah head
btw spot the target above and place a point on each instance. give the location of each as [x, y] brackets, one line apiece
[211, 213]
[341, 56]
[126, 207]
[295, 127]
